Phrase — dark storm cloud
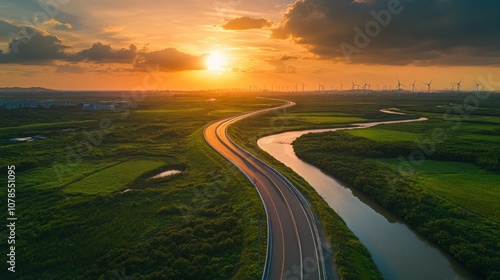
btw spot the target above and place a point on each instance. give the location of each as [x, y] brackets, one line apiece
[424, 32]
[171, 60]
[40, 49]
[244, 23]
[104, 53]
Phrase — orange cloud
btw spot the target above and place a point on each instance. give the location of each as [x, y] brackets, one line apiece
[244, 23]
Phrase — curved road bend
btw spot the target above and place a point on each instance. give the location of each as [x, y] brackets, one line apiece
[294, 248]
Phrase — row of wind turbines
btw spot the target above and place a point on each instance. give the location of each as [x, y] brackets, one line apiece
[367, 86]
[455, 87]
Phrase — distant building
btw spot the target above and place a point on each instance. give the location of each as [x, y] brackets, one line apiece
[90, 106]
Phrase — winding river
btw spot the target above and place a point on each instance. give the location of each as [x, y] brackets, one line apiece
[398, 251]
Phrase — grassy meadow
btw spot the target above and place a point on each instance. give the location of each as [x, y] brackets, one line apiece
[464, 184]
[75, 219]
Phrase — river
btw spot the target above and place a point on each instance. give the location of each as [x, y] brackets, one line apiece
[398, 251]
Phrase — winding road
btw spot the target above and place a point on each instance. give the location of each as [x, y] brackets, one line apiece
[294, 247]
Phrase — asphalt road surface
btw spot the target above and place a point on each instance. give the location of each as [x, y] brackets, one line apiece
[294, 248]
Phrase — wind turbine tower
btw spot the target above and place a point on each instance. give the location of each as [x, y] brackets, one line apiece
[413, 86]
[459, 85]
[399, 86]
[365, 86]
[354, 85]
[477, 86]
[428, 85]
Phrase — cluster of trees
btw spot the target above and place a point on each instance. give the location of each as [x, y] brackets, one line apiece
[471, 239]
[204, 248]
[342, 143]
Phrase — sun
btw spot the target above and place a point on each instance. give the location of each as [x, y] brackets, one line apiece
[216, 61]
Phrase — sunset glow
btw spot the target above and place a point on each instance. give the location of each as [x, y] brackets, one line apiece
[286, 42]
[216, 61]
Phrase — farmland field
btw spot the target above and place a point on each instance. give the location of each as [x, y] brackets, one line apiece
[462, 183]
[107, 180]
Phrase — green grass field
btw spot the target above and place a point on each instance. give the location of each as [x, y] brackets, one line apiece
[78, 225]
[113, 178]
[38, 126]
[47, 177]
[465, 184]
[462, 183]
[380, 134]
[320, 118]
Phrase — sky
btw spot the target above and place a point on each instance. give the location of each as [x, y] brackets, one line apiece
[248, 44]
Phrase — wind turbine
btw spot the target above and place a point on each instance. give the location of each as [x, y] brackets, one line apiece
[399, 86]
[341, 85]
[303, 86]
[477, 86]
[428, 85]
[365, 86]
[413, 85]
[353, 85]
[459, 85]
[453, 86]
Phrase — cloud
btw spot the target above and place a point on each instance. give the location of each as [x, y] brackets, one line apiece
[68, 68]
[7, 28]
[288, 57]
[170, 60]
[425, 32]
[281, 67]
[58, 25]
[104, 53]
[113, 29]
[42, 48]
[32, 46]
[244, 23]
